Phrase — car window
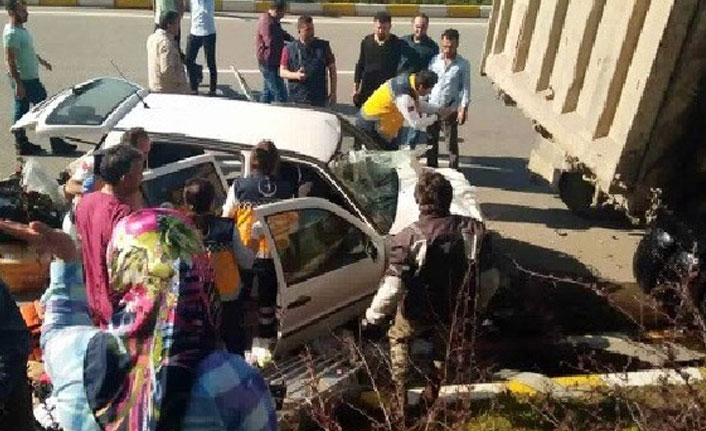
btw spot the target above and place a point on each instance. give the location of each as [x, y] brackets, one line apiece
[90, 104]
[312, 242]
[167, 189]
[163, 153]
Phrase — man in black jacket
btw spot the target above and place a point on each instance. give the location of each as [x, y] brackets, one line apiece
[15, 397]
[379, 59]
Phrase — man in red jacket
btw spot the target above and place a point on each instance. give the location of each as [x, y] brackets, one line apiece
[269, 42]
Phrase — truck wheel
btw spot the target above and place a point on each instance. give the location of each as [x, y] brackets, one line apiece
[576, 192]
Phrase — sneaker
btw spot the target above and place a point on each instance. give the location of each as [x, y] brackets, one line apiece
[61, 147]
[29, 149]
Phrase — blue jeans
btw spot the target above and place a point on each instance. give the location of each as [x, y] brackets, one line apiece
[34, 93]
[273, 89]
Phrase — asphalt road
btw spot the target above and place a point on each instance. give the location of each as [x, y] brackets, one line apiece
[536, 228]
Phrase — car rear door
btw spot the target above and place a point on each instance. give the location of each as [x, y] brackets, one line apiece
[328, 264]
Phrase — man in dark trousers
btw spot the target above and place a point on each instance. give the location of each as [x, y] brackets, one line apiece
[304, 65]
[426, 276]
[379, 59]
[269, 42]
[421, 47]
[15, 396]
[23, 70]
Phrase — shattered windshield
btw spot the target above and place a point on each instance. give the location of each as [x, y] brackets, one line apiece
[91, 103]
[371, 178]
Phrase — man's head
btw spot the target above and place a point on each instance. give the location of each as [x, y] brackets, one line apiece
[17, 10]
[264, 158]
[420, 25]
[277, 9]
[169, 21]
[424, 81]
[449, 42]
[433, 193]
[121, 167]
[137, 138]
[199, 195]
[383, 25]
[305, 27]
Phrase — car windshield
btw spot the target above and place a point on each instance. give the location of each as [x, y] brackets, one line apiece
[372, 180]
[91, 103]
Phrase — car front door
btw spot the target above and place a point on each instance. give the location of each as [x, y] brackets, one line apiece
[328, 264]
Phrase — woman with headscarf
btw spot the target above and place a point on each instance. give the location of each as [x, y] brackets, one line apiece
[158, 365]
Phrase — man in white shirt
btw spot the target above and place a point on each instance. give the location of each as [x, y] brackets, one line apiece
[453, 92]
[164, 66]
[203, 33]
[395, 103]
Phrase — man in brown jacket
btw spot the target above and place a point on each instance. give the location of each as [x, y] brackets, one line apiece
[164, 65]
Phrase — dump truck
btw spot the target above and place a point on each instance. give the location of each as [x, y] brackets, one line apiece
[616, 92]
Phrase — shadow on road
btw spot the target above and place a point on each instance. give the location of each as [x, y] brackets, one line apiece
[556, 218]
[507, 173]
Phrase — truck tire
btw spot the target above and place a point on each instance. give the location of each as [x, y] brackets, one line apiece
[576, 193]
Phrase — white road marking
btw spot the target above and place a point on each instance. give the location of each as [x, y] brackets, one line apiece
[231, 16]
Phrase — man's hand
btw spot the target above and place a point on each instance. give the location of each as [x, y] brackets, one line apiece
[300, 75]
[20, 92]
[44, 63]
[332, 98]
[461, 116]
[42, 238]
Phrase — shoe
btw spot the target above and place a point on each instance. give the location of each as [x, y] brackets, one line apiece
[29, 149]
[61, 147]
[211, 93]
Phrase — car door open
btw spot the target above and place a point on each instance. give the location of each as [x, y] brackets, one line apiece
[328, 265]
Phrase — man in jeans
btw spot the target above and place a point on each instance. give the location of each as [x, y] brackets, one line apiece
[23, 69]
[269, 42]
[203, 33]
[452, 91]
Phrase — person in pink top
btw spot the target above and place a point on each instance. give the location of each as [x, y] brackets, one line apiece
[97, 214]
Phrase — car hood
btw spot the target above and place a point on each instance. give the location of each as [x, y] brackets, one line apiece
[464, 196]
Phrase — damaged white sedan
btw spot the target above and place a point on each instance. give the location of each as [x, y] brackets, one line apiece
[329, 268]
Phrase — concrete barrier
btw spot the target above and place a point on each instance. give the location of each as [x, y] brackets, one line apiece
[325, 9]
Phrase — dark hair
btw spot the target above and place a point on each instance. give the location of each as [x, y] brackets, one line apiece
[117, 161]
[264, 157]
[199, 194]
[132, 137]
[421, 15]
[382, 17]
[433, 193]
[10, 5]
[450, 34]
[167, 18]
[426, 78]
[304, 20]
[278, 5]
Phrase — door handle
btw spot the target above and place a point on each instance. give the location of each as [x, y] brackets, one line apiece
[299, 302]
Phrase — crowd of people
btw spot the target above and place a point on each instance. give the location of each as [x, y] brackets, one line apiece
[408, 89]
[142, 319]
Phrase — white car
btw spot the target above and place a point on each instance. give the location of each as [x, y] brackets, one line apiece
[330, 266]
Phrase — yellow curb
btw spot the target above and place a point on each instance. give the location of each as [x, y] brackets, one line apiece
[133, 4]
[592, 381]
[520, 388]
[339, 9]
[58, 2]
[219, 5]
[463, 11]
[262, 6]
[403, 9]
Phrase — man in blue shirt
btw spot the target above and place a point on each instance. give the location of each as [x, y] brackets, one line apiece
[453, 90]
[203, 33]
[23, 69]
[422, 49]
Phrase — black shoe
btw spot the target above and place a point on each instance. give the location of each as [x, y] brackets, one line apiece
[61, 147]
[29, 149]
